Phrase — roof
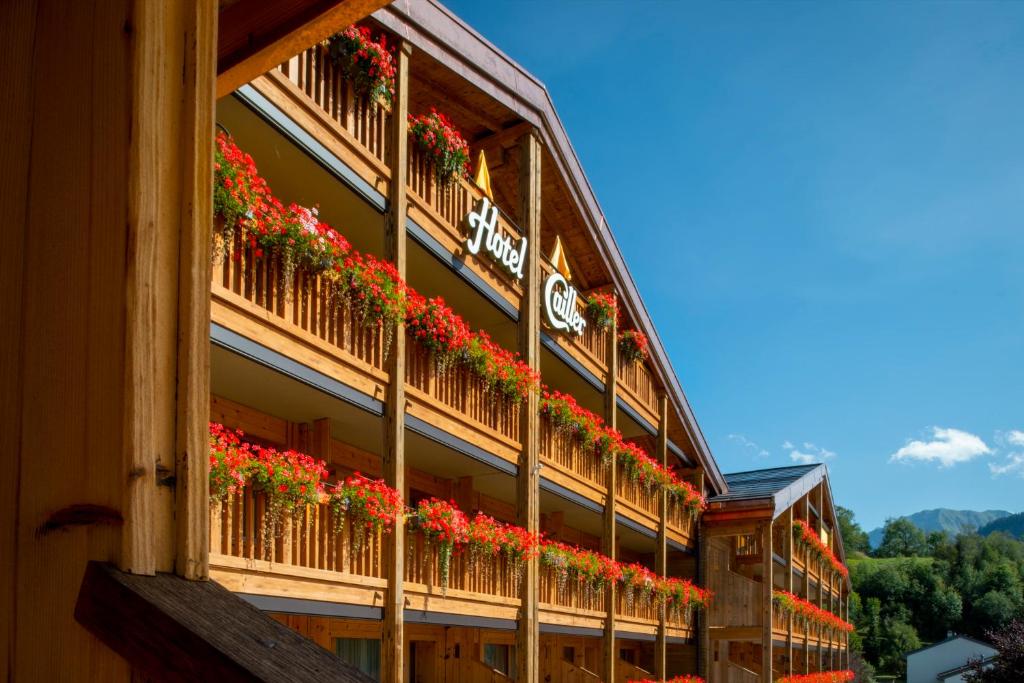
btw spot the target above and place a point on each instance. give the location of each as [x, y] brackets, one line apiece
[766, 483]
[960, 669]
[947, 640]
[439, 33]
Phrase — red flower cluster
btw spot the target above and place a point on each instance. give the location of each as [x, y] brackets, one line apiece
[595, 571]
[789, 603]
[822, 677]
[438, 138]
[809, 538]
[373, 505]
[488, 536]
[682, 678]
[633, 345]
[366, 62]
[242, 198]
[592, 433]
[287, 477]
[602, 309]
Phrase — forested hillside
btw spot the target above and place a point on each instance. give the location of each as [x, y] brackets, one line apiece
[1013, 525]
[917, 587]
[945, 519]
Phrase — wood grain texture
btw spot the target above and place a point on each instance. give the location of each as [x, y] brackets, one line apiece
[609, 653]
[661, 549]
[172, 629]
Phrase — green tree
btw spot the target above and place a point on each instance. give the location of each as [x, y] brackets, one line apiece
[855, 539]
[902, 538]
[898, 638]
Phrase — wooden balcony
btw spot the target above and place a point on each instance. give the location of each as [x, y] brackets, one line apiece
[568, 465]
[570, 606]
[641, 618]
[639, 389]
[812, 634]
[590, 349]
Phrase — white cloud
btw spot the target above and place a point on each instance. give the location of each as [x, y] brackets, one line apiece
[1013, 463]
[747, 443]
[947, 447]
[809, 454]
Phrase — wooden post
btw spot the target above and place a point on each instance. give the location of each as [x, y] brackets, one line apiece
[608, 542]
[819, 504]
[767, 588]
[393, 642]
[661, 551]
[528, 481]
[788, 546]
[805, 587]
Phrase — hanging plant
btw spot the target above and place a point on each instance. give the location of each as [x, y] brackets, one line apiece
[570, 418]
[443, 527]
[366, 62]
[502, 371]
[488, 537]
[370, 504]
[808, 538]
[602, 309]
[591, 571]
[683, 494]
[437, 328]
[843, 676]
[808, 612]
[681, 678]
[633, 346]
[681, 596]
[638, 582]
[447, 150]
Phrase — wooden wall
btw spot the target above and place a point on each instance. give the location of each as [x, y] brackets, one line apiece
[98, 185]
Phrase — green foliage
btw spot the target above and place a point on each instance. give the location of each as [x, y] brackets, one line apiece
[1012, 525]
[855, 539]
[902, 538]
[969, 584]
[1009, 663]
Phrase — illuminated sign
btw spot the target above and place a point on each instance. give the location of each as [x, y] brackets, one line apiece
[485, 234]
[560, 305]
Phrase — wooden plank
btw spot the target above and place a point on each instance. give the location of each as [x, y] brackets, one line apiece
[171, 629]
[395, 243]
[767, 587]
[528, 480]
[788, 556]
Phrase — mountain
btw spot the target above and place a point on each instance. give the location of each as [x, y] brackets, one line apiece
[944, 519]
[1013, 525]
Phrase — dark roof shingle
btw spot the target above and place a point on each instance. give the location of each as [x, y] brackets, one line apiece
[762, 483]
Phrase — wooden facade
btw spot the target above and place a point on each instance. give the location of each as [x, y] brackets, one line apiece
[136, 354]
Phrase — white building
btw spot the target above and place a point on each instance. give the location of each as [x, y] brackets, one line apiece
[946, 660]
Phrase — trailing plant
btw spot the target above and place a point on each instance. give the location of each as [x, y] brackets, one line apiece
[488, 537]
[502, 371]
[602, 309]
[638, 582]
[589, 570]
[366, 62]
[681, 678]
[288, 479]
[809, 612]
[821, 677]
[680, 596]
[437, 328]
[447, 150]
[371, 505]
[683, 494]
[808, 538]
[444, 527]
[633, 346]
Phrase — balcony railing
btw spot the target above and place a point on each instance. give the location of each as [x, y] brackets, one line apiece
[572, 595]
[314, 73]
[636, 494]
[562, 451]
[463, 392]
[491, 576]
[640, 388]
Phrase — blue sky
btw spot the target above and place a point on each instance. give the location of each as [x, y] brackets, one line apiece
[823, 206]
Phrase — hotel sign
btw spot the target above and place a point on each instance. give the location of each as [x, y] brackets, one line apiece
[560, 305]
[485, 234]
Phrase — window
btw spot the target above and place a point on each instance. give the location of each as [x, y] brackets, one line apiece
[501, 658]
[362, 653]
[569, 654]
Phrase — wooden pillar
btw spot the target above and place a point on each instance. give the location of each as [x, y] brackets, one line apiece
[819, 505]
[788, 552]
[767, 587]
[704, 651]
[805, 585]
[528, 480]
[608, 542]
[393, 640]
[661, 551]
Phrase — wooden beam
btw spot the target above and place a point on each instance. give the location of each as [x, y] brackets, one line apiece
[788, 555]
[528, 481]
[608, 541]
[767, 587]
[192, 486]
[393, 457]
[255, 36]
[171, 629]
[661, 550]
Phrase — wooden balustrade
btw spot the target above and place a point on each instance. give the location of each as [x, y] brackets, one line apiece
[448, 202]
[636, 609]
[639, 384]
[681, 520]
[492, 575]
[315, 74]
[573, 595]
[307, 302]
[563, 450]
[636, 495]
[738, 600]
[308, 537]
[590, 348]
[461, 390]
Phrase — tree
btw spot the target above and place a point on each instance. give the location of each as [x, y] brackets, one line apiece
[855, 539]
[1008, 666]
[902, 538]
